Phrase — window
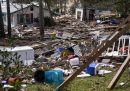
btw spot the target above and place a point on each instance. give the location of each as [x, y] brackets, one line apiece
[12, 18]
[4, 17]
[18, 19]
[25, 18]
[21, 18]
[31, 8]
[31, 17]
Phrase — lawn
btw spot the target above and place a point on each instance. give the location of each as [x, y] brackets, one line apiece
[93, 83]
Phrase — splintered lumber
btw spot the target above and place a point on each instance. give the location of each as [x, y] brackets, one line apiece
[107, 27]
[36, 46]
[119, 73]
[124, 27]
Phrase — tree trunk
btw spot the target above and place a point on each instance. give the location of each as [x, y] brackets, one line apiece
[8, 17]
[22, 15]
[49, 8]
[75, 2]
[41, 20]
[65, 6]
[84, 3]
[2, 33]
[126, 9]
[61, 7]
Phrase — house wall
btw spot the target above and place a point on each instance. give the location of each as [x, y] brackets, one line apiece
[5, 19]
[35, 12]
[96, 12]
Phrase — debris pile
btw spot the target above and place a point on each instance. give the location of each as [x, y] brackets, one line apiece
[56, 57]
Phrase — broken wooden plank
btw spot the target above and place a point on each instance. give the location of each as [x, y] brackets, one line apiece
[119, 73]
[125, 26]
[37, 46]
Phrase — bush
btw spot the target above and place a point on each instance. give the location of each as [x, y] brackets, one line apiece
[49, 21]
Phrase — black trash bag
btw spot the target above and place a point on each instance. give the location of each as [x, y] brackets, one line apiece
[115, 21]
[39, 76]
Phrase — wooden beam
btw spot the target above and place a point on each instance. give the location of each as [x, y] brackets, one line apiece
[119, 73]
[125, 26]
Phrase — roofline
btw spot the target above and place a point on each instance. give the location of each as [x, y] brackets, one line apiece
[24, 8]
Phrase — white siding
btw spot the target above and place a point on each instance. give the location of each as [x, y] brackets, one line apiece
[26, 11]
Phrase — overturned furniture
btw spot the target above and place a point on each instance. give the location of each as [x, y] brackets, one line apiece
[119, 48]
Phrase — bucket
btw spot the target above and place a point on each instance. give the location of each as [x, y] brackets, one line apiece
[54, 77]
[51, 77]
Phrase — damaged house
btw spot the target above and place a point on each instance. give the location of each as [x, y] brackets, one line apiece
[22, 13]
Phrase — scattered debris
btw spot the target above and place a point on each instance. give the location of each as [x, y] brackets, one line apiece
[122, 83]
[102, 72]
[83, 74]
[60, 54]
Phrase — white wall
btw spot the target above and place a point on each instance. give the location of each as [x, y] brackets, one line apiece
[26, 11]
[5, 19]
[81, 15]
[26, 53]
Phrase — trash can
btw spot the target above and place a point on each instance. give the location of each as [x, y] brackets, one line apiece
[54, 77]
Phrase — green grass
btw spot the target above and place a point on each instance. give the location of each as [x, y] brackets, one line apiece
[93, 83]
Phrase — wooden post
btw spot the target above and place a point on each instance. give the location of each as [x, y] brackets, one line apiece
[125, 26]
[119, 73]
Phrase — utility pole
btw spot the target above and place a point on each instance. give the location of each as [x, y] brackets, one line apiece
[2, 33]
[8, 18]
[41, 19]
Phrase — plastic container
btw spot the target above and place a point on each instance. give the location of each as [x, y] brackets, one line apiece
[54, 77]
[74, 61]
[59, 50]
[92, 69]
[4, 82]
